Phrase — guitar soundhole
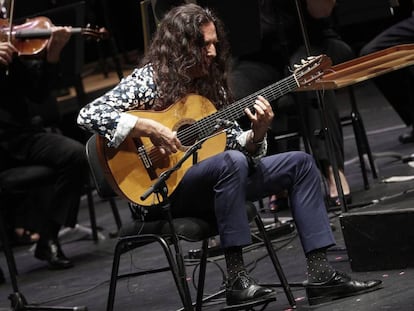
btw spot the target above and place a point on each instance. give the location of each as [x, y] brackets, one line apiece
[186, 135]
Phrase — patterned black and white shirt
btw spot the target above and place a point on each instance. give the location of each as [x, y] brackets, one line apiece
[107, 115]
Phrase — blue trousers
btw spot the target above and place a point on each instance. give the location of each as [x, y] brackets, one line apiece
[218, 187]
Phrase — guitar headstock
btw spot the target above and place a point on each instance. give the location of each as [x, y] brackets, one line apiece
[311, 69]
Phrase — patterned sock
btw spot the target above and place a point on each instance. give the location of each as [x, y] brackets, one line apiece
[234, 261]
[318, 266]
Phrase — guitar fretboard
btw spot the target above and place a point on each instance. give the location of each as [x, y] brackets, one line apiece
[234, 111]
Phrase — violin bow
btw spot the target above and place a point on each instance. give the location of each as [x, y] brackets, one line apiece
[11, 14]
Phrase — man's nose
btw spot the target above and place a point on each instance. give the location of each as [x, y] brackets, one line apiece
[211, 50]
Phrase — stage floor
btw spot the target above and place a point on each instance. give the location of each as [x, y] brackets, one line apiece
[87, 283]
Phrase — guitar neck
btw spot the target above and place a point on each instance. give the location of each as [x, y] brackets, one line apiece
[236, 110]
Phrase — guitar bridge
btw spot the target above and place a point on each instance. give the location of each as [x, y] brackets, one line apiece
[145, 158]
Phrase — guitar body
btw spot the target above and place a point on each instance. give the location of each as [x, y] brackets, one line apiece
[128, 171]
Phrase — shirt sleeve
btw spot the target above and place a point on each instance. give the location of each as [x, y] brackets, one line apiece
[237, 139]
[261, 148]
[107, 115]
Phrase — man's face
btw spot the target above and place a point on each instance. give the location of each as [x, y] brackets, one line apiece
[210, 40]
[209, 51]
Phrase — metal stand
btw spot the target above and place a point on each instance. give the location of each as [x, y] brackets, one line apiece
[321, 105]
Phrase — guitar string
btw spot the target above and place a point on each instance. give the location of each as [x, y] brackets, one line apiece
[206, 125]
[235, 110]
[270, 92]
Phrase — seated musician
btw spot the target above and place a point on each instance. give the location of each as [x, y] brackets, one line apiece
[26, 81]
[189, 55]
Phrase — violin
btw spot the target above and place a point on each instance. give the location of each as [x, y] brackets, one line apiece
[31, 37]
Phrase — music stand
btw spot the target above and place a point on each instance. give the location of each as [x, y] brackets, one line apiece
[364, 68]
[322, 110]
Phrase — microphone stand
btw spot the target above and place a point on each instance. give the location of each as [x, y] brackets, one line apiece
[321, 106]
[160, 188]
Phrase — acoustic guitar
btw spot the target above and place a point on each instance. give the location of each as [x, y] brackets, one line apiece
[134, 167]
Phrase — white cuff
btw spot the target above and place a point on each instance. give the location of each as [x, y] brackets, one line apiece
[126, 123]
[242, 138]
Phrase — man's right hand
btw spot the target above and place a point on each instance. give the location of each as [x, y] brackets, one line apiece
[161, 136]
[7, 50]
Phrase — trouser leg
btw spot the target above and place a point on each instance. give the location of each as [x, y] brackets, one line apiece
[215, 188]
[296, 172]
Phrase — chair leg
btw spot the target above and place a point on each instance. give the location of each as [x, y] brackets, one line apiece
[202, 275]
[115, 212]
[360, 151]
[360, 129]
[275, 261]
[8, 252]
[126, 243]
[92, 214]
[361, 139]
[114, 275]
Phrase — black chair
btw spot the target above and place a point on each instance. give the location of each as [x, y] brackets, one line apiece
[104, 191]
[15, 180]
[168, 232]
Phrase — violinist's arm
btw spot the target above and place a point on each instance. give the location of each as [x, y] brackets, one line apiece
[57, 41]
[7, 50]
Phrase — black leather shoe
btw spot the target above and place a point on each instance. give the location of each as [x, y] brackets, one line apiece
[339, 286]
[51, 252]
[244, 289]
[406, 138]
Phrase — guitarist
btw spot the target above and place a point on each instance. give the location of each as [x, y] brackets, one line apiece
[189, 54]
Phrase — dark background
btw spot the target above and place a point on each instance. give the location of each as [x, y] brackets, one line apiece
[121, 18]
[357, 21]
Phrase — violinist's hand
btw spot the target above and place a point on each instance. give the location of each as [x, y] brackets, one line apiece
[57, 41]
[161, 136]
[262, 119]
[7, 50]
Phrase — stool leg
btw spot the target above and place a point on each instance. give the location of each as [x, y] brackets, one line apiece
[360, 149]
[11, 264]
[115, 212]
[92, 214]
[202, 275]
[361, 139]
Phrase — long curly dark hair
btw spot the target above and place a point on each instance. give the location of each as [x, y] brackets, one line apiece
[177, 46]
